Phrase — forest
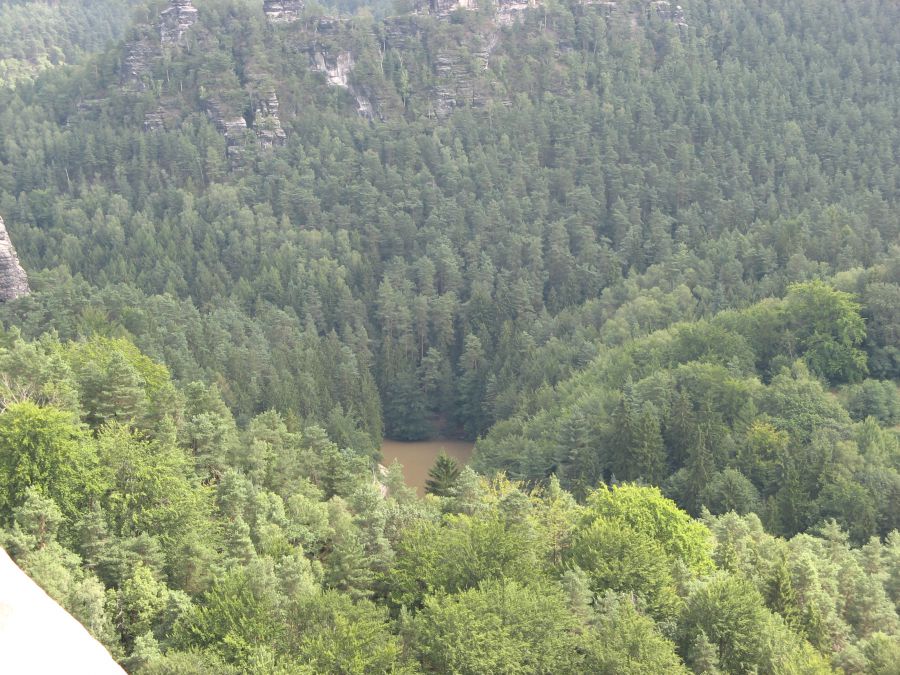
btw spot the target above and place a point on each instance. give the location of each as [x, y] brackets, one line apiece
[649, 262]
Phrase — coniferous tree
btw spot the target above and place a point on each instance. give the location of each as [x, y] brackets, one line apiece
[442, 477]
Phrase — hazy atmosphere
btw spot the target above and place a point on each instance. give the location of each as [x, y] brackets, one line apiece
[452, 336]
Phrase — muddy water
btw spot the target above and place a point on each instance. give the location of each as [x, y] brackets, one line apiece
[418, 457]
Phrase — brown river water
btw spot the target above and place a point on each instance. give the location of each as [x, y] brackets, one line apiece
[418, 457]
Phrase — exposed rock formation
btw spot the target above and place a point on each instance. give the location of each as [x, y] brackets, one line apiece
[445, 7]
[267, 123]
[282, 11]
[402, 32]
[460, 70]
[13, 281]
[336, 67]
[140, 54]
[668, 12]
[176, 20]
[327, 24]
[232, 127]
[154, 120]
[605, 8]
[364, 105]
[508, 10]
[138, 58]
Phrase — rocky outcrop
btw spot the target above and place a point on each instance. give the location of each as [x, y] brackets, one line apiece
[507, 11]
[175, 21]
[234, 130]
[139, 56]
[267, 123]
[154, 120]
[233, 127]
[461, 74]
[605, 8]
[143, 51]
[402, 33]
[667, 11]
[446, 7]
[455, 86]
[13, 280]
[328, 25]
[335, 66]
[282, 11]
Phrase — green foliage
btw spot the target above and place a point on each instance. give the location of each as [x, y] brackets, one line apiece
[331, 633]
[237, 616]
[151, 489]
[645, 510]
[36, 36]
[613, 250]
[459, 553]
[442, 476]
[828, 329]
[873, 398]
[619, 558]
[730, 613]
[497, 627]
[45, 449]
[628, 642]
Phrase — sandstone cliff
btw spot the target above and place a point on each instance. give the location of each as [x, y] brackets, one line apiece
[282, 11]
[439, 57]
[13, 281]
[267, 123]
[176, 20]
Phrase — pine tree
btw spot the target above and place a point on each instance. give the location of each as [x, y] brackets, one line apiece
[442, 476]
[780, 594]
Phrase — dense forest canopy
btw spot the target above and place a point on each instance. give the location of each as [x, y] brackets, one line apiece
[39, 34]
[647, 257]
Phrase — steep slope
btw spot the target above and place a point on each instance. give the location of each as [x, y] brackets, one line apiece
[37, 34]
[463, 209]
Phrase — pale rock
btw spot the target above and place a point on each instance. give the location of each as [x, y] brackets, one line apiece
[282, 11]
[267, 123]
[335, 67]
[176, 20]
[13, 280]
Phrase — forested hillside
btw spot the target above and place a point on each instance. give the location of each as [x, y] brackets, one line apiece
[38, 34]
[188, 545]
[647, 256]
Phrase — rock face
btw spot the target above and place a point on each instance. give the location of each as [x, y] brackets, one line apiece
[445, 7]
[267, 123]
[138, 59]
[154, 120]
[13, 281]
[668, 12]
[605, 8]
[142, 53]
[336, 67]
[282, 11]
[232, 127]
[402, 32]
[507, 11]
[176, 20]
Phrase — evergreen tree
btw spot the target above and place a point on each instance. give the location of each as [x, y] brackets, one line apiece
[442, 476]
